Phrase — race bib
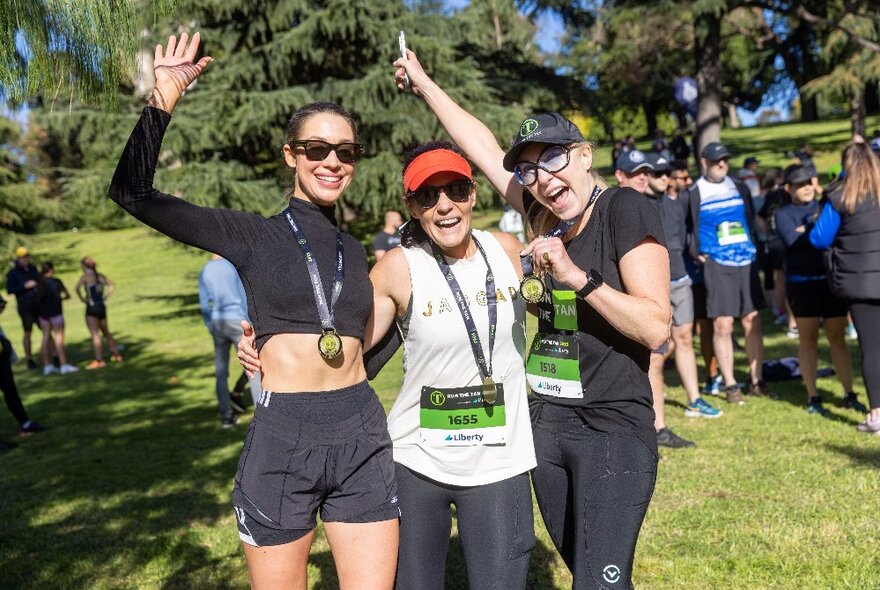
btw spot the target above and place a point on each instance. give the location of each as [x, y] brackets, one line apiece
[564, 309]
[731, 232]
[553, 367]
[454, 417]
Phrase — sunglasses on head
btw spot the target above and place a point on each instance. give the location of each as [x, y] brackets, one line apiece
[427, 197]
[553, 159]
[317, 150]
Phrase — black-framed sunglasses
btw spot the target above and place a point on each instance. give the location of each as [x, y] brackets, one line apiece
[427, 197]
[317, 150]
[553, 159]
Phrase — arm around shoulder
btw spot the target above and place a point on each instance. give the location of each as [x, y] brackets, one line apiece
[391, 293]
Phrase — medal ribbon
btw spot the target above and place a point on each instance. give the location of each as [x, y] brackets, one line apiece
[324, 311]
[483, 362]
[560, 229]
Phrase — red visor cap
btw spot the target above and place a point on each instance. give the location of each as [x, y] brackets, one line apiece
[430, 163]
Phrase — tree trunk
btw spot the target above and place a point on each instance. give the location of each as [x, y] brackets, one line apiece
[857, 113]
[732, 117]
[872, 99]
[706, 51]
[809, 108]
[650, 117]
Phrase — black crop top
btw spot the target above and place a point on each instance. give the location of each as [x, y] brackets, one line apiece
[263, 250]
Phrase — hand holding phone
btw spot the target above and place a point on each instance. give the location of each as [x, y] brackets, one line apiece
[401, 41]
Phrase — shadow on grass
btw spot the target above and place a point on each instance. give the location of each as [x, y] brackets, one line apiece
[177, 304]
[125, 481]
[866, 457]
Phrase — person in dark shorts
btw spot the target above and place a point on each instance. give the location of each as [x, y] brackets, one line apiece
[809, 294]
[318, 442]
[94, 288]
[50, 293]
[719, 217]
[587, 370]
[10, 391]
[21, 281]
[771, 254]
[388, 237]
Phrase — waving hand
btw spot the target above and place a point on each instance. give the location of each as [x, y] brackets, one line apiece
[175, 70]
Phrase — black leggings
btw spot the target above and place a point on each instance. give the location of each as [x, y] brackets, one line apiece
[593, 489]
[10, 391]
[866, 317]
[495, 526]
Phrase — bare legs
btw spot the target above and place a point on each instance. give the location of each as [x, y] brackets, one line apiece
[365, 555]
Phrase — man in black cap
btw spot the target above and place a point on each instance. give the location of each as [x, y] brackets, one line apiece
[749, 175]
[633, 170]
[21, 281]
[719, 216]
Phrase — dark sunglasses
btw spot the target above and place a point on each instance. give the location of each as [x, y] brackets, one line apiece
[427, 197]
[553, 159]
[317, 150]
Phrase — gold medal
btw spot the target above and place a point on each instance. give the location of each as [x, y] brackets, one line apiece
[330, 344]
[490, 391]
[532, 289]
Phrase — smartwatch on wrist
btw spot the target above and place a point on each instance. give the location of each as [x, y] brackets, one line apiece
[594, 281]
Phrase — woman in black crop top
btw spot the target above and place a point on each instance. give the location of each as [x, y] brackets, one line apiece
[605, 307]
[318, 440]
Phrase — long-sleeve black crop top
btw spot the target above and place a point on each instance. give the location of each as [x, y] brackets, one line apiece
[269, 261]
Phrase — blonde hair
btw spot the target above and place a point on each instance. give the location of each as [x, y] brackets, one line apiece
[862, 179]
[541, 219]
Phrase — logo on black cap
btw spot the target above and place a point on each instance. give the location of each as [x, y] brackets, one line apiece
[528, 127]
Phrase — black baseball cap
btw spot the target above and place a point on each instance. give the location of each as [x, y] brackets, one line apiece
[797, 174]
[549, 128]
[715, 151]
[750, 160]
[657, 163]
[633, 161]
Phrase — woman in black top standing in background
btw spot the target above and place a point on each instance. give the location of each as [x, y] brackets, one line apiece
[605, 306]
[324, 446]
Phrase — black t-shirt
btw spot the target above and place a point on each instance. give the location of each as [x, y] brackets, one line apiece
[383, 241]
[49, 293]
[801, 258]
[613, 368]
[773, 201]
[269, 261]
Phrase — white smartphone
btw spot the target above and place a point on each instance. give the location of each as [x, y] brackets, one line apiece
[401, 41]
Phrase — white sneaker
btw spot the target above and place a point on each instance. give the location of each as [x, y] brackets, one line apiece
[49, 369]
[65, 369]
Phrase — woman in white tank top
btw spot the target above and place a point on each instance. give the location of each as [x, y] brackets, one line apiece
[460, 424]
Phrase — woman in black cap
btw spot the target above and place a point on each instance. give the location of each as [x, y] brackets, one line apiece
[808, 292]
[322, 445]
[605, 305]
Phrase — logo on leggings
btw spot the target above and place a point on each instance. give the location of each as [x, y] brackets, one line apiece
[611, 573]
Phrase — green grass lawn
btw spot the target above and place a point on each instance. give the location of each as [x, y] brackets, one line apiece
[131, 486]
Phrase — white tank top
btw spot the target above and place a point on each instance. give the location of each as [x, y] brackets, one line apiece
[438, 355]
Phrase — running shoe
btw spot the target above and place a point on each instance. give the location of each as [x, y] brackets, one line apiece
[780, 319]
[7, 446]
[701, 409]
[760, 389]
[116, 357]
[49, 369]
[792, 333]
[96, 364]
[31, 364]
[713, 385]
[32, 427]
[667, 438]
[734, 395]
[229, 421]
[851, 402]
[65, 369]
[816, 407]
[871, 426]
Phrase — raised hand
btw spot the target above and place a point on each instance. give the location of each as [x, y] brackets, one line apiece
[175, 70]
[413, 69]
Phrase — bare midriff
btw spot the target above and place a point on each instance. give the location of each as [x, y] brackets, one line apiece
[291, 363]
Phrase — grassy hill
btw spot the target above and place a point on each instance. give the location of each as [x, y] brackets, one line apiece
[131, 486]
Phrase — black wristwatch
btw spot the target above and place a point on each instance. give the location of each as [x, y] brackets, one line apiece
[594, 281]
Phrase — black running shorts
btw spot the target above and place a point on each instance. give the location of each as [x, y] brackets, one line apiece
[732, 291]
[305, 453]
[814, 299]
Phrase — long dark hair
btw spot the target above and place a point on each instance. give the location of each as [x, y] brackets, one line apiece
[411, 232]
